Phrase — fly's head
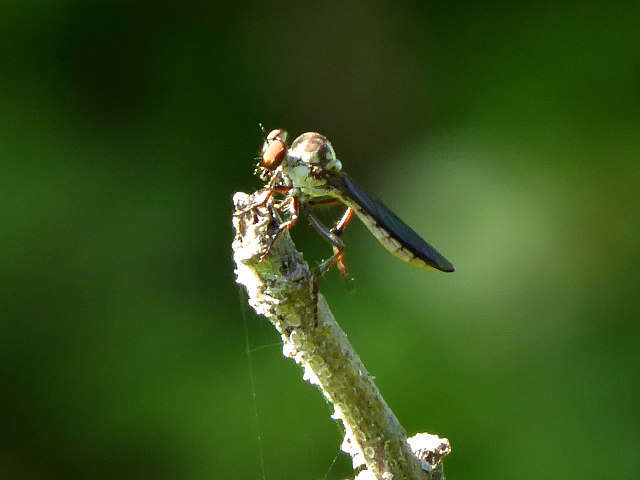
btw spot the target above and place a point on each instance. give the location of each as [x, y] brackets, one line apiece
[274, 151]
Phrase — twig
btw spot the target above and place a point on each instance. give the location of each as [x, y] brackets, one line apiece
[280, 289]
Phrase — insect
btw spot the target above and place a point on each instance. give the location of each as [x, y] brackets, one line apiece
[309, 174]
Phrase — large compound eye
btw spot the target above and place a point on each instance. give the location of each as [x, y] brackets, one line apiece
[274, 149]
[273, 153]
[277, 134]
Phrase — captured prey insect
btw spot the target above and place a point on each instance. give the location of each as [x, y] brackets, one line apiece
[309, 174]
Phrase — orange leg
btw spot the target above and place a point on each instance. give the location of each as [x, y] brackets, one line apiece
[338, 256]
[338, 230]
[323, 202]
[266, 193]
[333, 236]
[293, 205]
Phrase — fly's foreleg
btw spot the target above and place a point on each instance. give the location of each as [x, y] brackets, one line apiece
[293, 205]
[265, 195]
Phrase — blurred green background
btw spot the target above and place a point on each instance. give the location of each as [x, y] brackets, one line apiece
[508, 134]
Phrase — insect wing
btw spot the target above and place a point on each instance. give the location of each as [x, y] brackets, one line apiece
[396, 227]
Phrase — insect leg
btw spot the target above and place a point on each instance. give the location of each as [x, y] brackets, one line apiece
[266, 193]
[293, 205]
[338, 247]
[323, 202]
[332, 238]
[338, 230]
[344, 222]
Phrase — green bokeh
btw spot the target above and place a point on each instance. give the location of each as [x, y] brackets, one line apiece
[508, 134]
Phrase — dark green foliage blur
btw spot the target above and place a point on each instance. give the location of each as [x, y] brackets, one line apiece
[507, 134]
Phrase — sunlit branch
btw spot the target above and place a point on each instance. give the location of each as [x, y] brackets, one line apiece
[280, 288]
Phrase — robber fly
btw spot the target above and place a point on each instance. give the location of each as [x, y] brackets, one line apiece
[309, 174]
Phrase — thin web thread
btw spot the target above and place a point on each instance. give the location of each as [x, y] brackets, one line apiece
[248, 351]
[254, 398]
[262, 347]
[333, 462]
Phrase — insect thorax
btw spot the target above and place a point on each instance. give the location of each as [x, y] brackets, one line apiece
[302, 177]
[314, 149]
